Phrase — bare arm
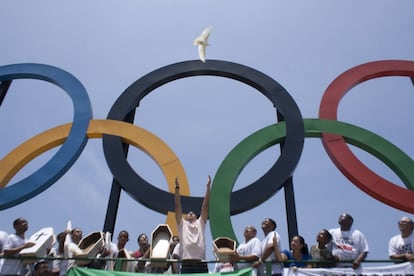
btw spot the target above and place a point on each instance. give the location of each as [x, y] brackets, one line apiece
[234, 258]
[278, 256]
[204, 206]
[405, 256]
[269, 250]
[16, 250]
[359, 259]
[177, 202]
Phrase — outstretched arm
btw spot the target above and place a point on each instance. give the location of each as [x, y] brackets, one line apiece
[177, 202]
[204, 206]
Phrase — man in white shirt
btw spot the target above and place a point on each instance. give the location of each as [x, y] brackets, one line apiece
[348, 245]
[249, 251]
[267, 249]
[192, 233]
[402, 246]
[71, 249]
[14, 244]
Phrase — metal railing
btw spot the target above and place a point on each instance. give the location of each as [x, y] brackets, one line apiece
[119, 261]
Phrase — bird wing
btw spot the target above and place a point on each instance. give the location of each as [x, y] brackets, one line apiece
[198, 41]
[202, 52]
[203, 37]
[205, 34]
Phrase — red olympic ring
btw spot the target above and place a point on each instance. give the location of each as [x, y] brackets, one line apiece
[336, 147]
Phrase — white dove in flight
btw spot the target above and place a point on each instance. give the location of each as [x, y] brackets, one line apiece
[202, 43]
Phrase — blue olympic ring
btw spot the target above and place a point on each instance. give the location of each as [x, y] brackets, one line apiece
[73, 146]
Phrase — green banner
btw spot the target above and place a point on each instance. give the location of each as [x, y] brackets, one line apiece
[80, 271]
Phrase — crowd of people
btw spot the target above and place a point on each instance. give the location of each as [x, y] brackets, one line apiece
[337, 247]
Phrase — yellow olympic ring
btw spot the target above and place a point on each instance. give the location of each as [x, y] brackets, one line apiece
[131, 134]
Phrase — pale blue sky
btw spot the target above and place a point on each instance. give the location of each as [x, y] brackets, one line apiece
[304, 45]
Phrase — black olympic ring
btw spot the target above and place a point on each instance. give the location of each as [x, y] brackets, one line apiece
[241, 200]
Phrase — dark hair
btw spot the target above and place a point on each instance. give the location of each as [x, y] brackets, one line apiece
[142, 234]
[304, 250]
[17, 221]
[347, 216]
[176, 237]
[75, 229]
[328, 234]
[195, 213]
[60, 236]
[273, 222]
[123, 232]
[36, 267]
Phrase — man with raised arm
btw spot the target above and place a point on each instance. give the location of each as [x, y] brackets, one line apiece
[192, 233]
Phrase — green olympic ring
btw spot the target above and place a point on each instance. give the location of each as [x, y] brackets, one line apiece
[246, 150]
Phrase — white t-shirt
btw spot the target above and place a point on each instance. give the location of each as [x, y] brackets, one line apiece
[176, 251]
[268, 240]
[113, 255]
[3, 239]
[13, 266]
[400, 245]
[252, 247]
[192, 240]
[347, 245]
[71, 250]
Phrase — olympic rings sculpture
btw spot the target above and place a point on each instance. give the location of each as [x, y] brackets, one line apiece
[224, 202]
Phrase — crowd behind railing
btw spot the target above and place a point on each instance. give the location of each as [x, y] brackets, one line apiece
[336, 249]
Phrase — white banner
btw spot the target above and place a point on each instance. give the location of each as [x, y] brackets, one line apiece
[403, 269]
